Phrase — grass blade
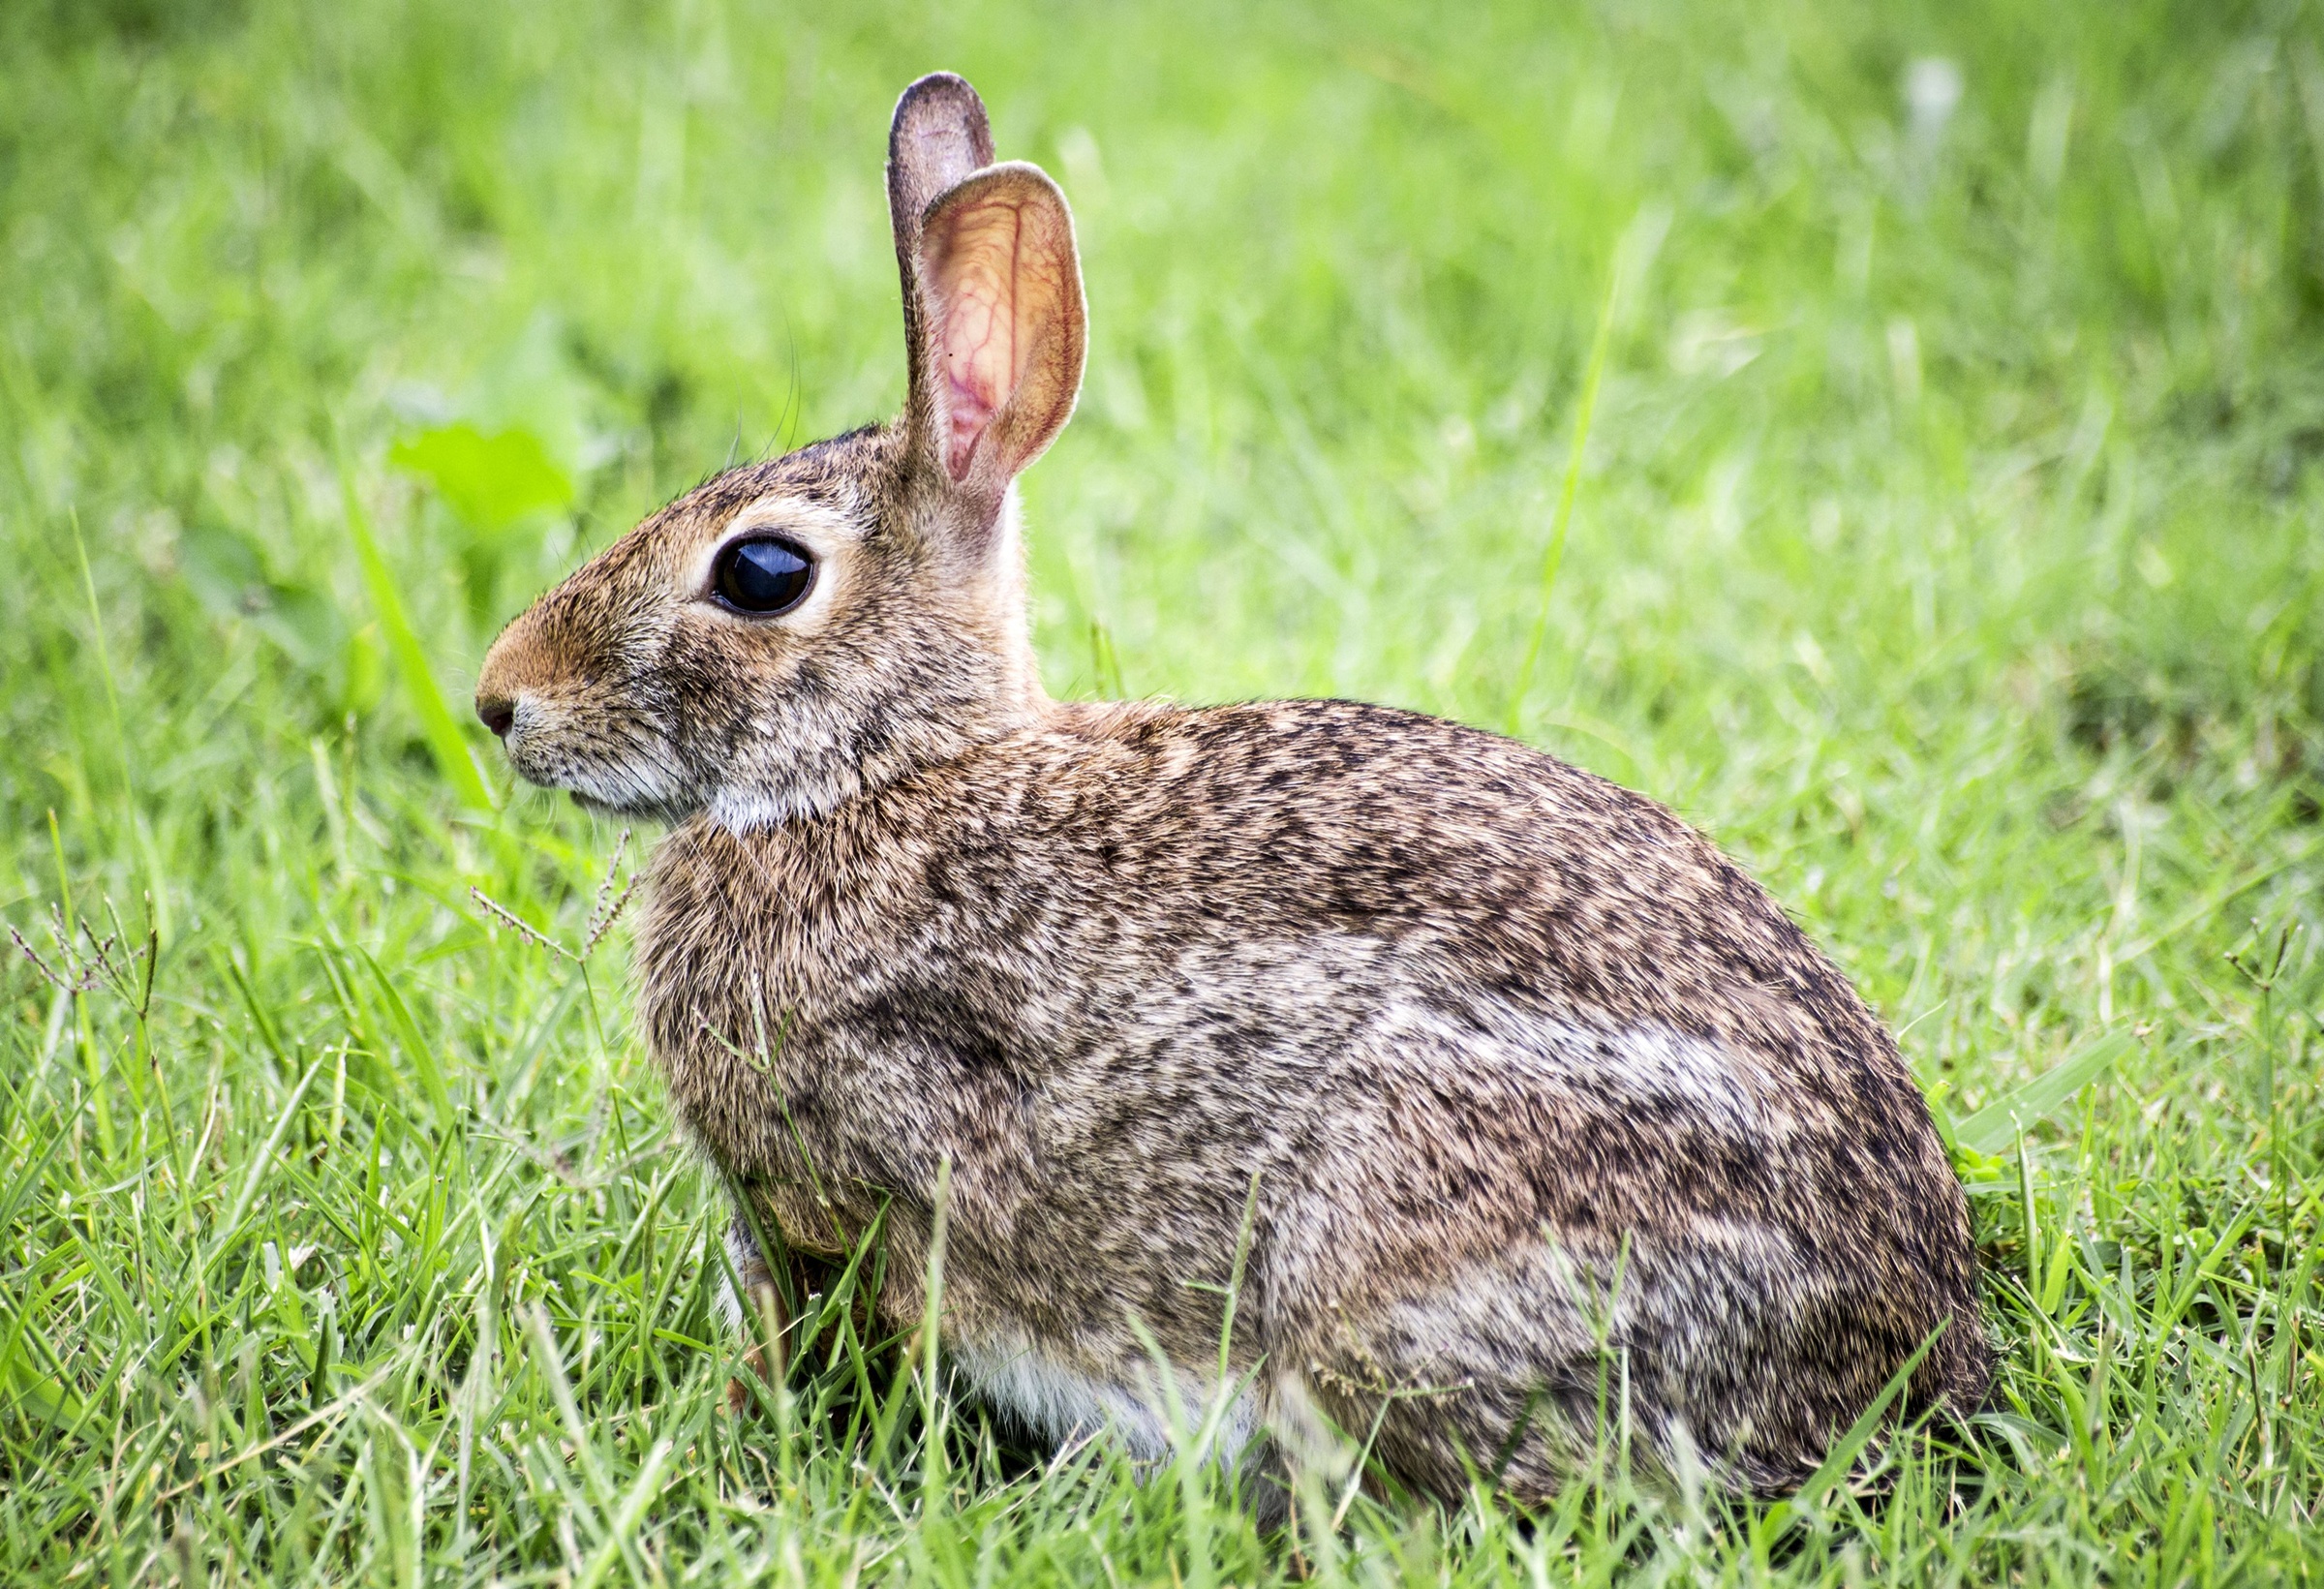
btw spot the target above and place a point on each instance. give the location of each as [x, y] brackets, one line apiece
[1554, 557]
[264, 1159]
[1995, 1126]
[417, 1047]
[436, 720]
[1842, 1454]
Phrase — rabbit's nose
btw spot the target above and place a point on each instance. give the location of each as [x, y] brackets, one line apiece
[498, 712]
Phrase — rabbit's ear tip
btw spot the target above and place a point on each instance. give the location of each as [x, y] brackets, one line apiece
[940, 134]
[936, 82]
[941, 101]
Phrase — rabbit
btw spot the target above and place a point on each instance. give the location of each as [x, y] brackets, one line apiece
[1500, 1101]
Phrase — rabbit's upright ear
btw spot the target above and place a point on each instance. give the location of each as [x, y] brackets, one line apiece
[992, 297]
[1002, 327]
[938, 137]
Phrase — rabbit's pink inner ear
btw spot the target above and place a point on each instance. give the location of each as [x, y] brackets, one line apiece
[976, 337]
[1005, 314]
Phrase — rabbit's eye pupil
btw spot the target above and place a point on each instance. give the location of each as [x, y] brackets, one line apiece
[765, 575]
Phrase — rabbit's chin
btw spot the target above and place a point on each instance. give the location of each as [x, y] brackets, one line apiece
[649, 812]
[630, 800]
[736, 810]
[620, 788]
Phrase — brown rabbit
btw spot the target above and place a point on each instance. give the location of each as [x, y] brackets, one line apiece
[1542, 1112]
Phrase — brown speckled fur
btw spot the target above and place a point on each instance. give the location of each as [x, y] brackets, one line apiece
[1539, 1093]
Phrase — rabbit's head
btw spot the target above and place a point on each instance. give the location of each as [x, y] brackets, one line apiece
[796, 630]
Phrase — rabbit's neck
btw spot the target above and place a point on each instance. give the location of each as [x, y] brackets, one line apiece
[818, 766]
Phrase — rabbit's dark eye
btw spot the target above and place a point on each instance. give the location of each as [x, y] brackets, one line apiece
[763, 576]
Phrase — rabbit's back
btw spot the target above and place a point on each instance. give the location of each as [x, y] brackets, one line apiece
[1513, 1068]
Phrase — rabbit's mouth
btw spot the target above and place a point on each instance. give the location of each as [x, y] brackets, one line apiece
[622, 788]
[619, 765]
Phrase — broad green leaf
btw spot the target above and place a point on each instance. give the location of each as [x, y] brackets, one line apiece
[230, 578]
[491, 480]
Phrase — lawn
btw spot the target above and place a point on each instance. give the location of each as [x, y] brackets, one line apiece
[1947, 540]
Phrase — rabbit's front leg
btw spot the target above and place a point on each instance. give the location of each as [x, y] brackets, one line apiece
[752, 1309]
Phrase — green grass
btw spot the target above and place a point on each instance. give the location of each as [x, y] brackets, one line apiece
[1948, 542]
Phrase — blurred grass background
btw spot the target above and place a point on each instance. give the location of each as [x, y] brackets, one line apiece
[1949, 543]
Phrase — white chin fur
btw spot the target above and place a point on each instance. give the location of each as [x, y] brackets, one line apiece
[620, 793]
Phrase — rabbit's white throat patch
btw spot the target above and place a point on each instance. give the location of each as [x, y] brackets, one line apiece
[752, 810]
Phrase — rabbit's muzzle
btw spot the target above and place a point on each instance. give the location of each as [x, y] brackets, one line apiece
[562, 731]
